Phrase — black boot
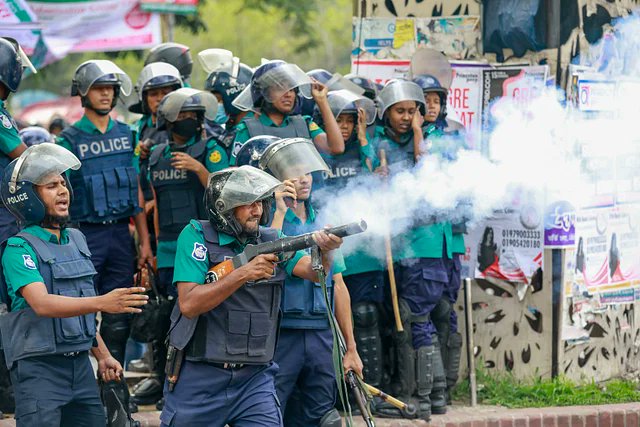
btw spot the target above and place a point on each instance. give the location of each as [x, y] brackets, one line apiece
[452, 363]
[149, 390]
[439, 388]
[424, 377]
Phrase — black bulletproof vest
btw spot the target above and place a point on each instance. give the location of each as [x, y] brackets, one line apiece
[179, 193]
[343, 167]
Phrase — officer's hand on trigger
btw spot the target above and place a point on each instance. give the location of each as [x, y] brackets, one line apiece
[326, 241]
[123, 300]
[287, 197]
[261, 267]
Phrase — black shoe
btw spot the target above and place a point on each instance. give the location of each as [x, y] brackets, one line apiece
[160, 404]
[139, 365]
[147, 392]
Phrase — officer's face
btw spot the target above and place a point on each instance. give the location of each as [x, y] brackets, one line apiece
[400, 116]
[248, 216]
[283, 101]
[303, 186]
[433, 107]
[346, 123]
[155, 95]
[101, 96]
[55, 196]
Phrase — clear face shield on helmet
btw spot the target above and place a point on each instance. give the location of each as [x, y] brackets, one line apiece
[431, 62]
[397, 91]
[341, 100]
[24, 59]
[291, 158]
[219, 60]
[245, 186]
[176, 101]
[90, 71]
[158, 71]
[41, 164]
[338, 82]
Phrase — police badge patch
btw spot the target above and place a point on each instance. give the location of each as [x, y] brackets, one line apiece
[199, 252]
[5, 121]
[28, 262]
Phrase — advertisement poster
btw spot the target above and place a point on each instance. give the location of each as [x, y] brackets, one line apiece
[96, 26]
[508, 245]
[183, 7]
[457, 36]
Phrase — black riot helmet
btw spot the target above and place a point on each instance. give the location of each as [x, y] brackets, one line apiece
[251, 151]
[154, 76]
[12, 62]
[229, 85]
[233, 187]
[99, 72]
[175, 54]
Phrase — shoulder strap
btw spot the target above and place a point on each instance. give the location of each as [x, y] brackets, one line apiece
[254, 126]
[301, 126]
[210, 234]
[69, 133]
[4, 292]
[78, 238]
[198, 150]
[156, 153]
[123, 127]
[42, 250]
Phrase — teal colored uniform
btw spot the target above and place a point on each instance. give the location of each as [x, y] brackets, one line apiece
[20, 263]
[188, 266]
[9, 141]
[216, 159]
[137, 128]
[242, 134]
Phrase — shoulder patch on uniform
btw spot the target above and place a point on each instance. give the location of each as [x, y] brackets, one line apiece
[199, 252]
[28, 262]
[5, 121]
[215, 156]
[313, 126]
[136, 152]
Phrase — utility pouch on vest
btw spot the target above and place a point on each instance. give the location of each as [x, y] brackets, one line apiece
[37, 340]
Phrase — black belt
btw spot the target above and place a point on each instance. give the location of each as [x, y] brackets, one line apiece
[229, 365]
[71, 353]
[113, 221]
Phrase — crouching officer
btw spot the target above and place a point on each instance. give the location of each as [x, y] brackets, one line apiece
[178, 173]
[106, 189]
[227, 376]
[48, 289]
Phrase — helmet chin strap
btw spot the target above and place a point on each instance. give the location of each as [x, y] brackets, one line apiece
[99, 111]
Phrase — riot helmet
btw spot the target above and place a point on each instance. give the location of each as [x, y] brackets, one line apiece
[271, 81]
[34, 135]
[37, 165]
[368, 85]
[99, 72]
[398, 90]
[13, 60]
[430, 84]
[346, 102]
[290, 158]
[154, 76]
[57, 123]
[251, 151]
[233, 187]
[185, 99]
[229, 83]
[175, 54]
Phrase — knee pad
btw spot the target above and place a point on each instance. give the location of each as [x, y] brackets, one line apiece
[367, 335]
[114, 330]
[441, 312]
[365, 315]
[331, 419]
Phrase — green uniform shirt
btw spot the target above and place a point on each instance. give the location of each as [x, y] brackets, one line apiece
[189, 268]
[20, 262]
[242, 133]
[290, 217]
[9, 139]
[136, 128]
[166, 251]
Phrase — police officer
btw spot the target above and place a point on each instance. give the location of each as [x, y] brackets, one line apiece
[364, 269]
[305, 343]
[178, 171]
[106, 189]
[56, 126]
[175, 54]
[33, 135]
[274, 92]
[420, 269]
[445, 139]
[12, 63]
[227, 375]
[48, 287]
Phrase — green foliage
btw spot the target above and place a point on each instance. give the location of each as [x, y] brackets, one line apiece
[505, 390]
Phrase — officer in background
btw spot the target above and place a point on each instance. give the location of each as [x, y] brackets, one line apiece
[106, 189]
[12, 63]
[274, 92]
[34, 135]
[175, 54]
[419, 252]
[227, 376]
[368, 85]
[48, 288]
[56, 126]
[178, 171]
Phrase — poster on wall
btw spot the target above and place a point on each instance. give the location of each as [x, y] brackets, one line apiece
[508, 245]
[458, 37]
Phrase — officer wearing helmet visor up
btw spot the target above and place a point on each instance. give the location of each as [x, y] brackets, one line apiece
[107, 193]
[274, 94]
[47, 285]
[227, 376]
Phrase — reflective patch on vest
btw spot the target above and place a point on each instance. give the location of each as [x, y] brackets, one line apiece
[199, 252]
[5, 121]
[215, 156]
[210, 277]
[28, 262]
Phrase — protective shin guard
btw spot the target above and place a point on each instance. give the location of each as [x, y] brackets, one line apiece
[441, 318]
[452, 364]
[439, 389]
[114, 330]
[424, 379]
[331, 419]
[367, 334]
